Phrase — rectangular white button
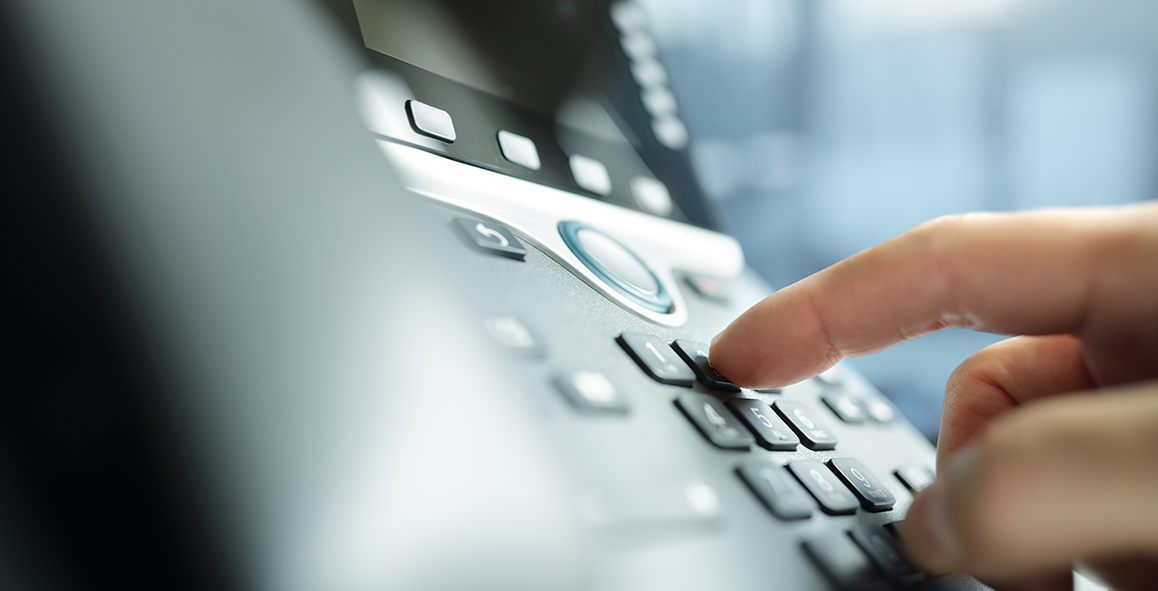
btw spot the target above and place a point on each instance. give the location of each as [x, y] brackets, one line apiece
[431, 121]
[591, 174]
[518, 149]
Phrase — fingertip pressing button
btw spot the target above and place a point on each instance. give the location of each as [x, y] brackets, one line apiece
[696, 356]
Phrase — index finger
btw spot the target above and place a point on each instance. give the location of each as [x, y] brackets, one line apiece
[1028, 273]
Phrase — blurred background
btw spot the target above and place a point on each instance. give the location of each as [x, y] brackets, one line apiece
[825, 126]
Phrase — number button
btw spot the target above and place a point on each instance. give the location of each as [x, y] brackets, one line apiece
[871, 491]
[914, 478]
[885, 551]
[813, 433]
[696, 356]
[843, 562]
[776, 489]
[657, 359]
[771, 432]
[713, 420]
[833, 497]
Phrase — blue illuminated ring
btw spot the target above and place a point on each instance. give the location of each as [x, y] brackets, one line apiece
[660, 301]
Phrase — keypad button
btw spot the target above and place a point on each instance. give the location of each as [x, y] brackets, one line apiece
[771, 432]
[884, 550]
[814, 433]
[490, 237]
[591, 393]
[657, 359]
[707, 288]
[879, 410]
[777, 490]
[715, 421]
[831, 376]
[696, 356]
[873, 494]
[845, 564]
[834, 497]
[845, 408]
[430, 121]
[915, 478]
[512, 334]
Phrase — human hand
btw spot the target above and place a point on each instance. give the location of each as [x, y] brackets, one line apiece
[1048, 451]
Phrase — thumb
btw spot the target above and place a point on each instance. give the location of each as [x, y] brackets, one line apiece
[1055, 481]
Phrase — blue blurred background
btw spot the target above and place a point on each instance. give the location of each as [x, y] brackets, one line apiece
[825, 126]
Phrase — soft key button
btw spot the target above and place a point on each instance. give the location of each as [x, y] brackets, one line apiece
[430, 121]
[519, 150]
[590, 174]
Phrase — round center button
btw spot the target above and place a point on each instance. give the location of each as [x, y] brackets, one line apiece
[616, 265]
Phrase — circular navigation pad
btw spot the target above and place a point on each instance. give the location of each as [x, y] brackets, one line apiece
[616, 265]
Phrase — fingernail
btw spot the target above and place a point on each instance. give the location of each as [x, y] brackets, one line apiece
[715, 338]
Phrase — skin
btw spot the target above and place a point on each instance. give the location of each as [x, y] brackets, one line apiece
[1048, 451]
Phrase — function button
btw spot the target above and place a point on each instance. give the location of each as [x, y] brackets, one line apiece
[652, 195]
[590, 174]
[831, 376]
[513, 335]
[430, 121]
[873, 494]
[659, 101]
[714, 421]
[884, 550]
[616, 265]
[490, 237]
[915, 478]
[879, 410]
[844, 408]
[834, 497]
[519, 150]
[648, 72]
[771, 432]
[843, 562]
[670, 132]
[657, 359]
[696, 356]
[707, 288]
[591, 392]
[777, 490]
[813, 433]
